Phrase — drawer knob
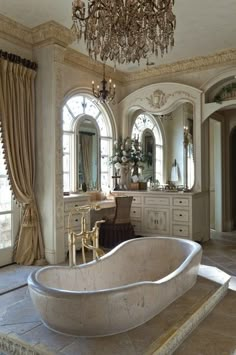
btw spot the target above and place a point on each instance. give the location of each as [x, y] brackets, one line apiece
[134, 211]
[76, 205]
[76, 220]
[181, 230]
[180, 201]
[180, 215]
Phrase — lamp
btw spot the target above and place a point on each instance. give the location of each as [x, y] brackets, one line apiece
[104, 94]
[124, 31]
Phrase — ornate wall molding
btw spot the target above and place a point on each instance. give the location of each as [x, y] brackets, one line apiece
[158, 98]
[59, 203]
[15, 32]
[52, 32]
[184, 66]
[47, 33]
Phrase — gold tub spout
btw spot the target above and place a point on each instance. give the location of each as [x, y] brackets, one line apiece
[89, 239]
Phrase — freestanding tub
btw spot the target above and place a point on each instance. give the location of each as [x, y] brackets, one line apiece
[122, 290]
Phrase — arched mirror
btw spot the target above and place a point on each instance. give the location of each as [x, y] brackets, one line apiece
[167, 142]
[148, 147]
[88, 147]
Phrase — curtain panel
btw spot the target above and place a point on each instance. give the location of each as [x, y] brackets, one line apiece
[17, 119]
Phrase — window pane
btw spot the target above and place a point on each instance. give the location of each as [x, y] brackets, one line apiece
[5, 195]
[67, 119]
[76, 105]
[66, 182]
[104, 147]
[5, 231]
[66, 163]
[90, 108]
[105, 164]
[104, 182]
[66, 143]
[149, 123]
[102, 126]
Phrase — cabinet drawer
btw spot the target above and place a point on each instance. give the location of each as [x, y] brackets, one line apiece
[68, 206]
[180, 201]
[180, 231]
[158, 201]
[135, 212]
[137, 200]
[137, 225]
[180, 216]
[75, 222]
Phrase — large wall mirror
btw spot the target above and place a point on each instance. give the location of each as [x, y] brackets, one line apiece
[88, 148]
[167, 142]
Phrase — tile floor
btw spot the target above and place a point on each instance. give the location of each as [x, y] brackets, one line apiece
[216, 335]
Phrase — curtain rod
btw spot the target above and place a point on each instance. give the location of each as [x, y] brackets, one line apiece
[17, 59]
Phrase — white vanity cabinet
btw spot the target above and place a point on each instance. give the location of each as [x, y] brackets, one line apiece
[183, 215]
[71, 202]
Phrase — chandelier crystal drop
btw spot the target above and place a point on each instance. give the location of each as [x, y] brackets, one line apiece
[124, 31]
[107, 92]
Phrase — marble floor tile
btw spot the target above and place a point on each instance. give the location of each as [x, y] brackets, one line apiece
[205, 342]
[42, 335]
[113, 345]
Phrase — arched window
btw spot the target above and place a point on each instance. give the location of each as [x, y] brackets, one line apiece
[87, 144]
[145, 125]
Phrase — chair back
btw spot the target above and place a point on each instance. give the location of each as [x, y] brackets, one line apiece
[122, 212]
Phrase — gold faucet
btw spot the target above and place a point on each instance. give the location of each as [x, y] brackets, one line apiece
[89, 239]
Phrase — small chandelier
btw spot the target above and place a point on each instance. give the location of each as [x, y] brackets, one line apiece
[104, 94]
[124, 31]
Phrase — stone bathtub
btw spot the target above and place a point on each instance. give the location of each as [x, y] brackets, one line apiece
[120, 291]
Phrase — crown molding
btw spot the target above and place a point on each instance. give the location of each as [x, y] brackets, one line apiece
[48, 33]
[224, 57]
[199, 63]
[15, 32]
[52, 33]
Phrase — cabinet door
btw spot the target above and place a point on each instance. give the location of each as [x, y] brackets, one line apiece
[156, 220]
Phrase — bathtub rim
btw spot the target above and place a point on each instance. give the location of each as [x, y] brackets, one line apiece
[59, 293]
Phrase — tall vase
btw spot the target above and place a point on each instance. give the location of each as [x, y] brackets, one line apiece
[124, 177]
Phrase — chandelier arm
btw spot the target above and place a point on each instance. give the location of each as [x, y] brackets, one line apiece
[90, 13]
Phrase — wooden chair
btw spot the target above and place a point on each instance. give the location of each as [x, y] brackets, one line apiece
[117, 228]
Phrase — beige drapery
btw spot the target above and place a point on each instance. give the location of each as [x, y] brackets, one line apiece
[17, 118]
[86, 150]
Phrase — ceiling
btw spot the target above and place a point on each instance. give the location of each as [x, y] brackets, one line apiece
[204, 27]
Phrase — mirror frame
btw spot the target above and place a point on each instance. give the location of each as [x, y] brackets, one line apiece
[161, 98]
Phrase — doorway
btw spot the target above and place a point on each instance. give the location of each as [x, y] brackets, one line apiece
[215, 152]
[233, 176]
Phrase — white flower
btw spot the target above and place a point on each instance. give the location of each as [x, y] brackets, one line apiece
[124, 159]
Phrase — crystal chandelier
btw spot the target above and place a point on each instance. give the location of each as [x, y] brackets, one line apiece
[105, 93]
[124, 31]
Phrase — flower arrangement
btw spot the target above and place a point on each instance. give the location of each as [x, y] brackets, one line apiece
[127, 152]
